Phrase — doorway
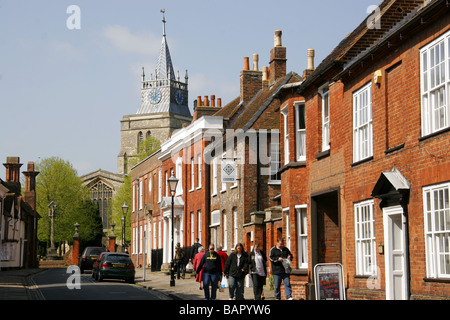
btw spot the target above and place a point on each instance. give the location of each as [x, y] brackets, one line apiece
[395, 257]
[326, 228]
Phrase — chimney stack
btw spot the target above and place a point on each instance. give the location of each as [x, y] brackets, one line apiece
[12, 166]
[30, 185]
[251, 80]
[277, 59]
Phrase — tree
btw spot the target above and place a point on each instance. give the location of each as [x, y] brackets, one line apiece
[58, 182]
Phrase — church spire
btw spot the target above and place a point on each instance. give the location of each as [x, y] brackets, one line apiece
[164, 69]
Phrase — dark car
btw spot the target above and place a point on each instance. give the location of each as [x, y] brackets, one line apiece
[96, 266]
[89, 256]
[116, 266]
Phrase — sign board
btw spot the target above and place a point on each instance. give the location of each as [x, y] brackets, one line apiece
[229, 171]
[329, 281]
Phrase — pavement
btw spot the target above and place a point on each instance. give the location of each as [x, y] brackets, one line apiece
[19, 285]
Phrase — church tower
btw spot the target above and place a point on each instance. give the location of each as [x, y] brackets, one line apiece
[164, 108]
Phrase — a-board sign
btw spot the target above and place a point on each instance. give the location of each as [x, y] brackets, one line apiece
[329, 281]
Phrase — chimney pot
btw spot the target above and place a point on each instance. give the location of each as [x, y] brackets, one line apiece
[246, 63]
[199, 101]
[219, 102]
[213, 100]
[277, 38]
[311, 54]
[206, 101]
[255, 61]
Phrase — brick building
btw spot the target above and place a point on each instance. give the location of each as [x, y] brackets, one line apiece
[18, 217]
[247, 210]
[364, 148]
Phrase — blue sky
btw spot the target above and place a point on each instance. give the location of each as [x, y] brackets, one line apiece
[63, 92]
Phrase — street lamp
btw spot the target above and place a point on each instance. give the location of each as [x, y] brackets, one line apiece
[52, 213]
[124, 218]
[172, 181]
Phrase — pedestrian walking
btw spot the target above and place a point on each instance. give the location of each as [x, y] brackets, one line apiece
[258, 270]
[194, 249]
[236, 268]
[280, 257]
[179, 261]
[212, 270]
[223, 255]
[199, 274]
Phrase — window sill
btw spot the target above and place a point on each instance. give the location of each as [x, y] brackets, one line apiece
[192, 190]
[299, 272]
[297, 164]
[431, 135]
[354, 164]
[396, 148]
[440, 280]
[274, 182]
[323, 154]
[234, 186]
[198, 188]
[223, 191]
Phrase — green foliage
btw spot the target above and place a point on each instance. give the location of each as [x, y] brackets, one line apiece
[58, 182]
[146, 148]
[122, 196]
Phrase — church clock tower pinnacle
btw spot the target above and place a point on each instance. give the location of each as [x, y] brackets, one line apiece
[164, 92]
[164, 108]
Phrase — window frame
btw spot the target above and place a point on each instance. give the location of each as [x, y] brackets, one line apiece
[361, 151]
[428, 77]
[433, 247]
[285, 113]
[302, 237]
[365, 238]
[300, 133]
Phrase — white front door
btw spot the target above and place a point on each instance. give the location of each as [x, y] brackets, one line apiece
[395, 257]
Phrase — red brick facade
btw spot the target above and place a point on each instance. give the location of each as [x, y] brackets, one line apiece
[338, 197]
[332, 184]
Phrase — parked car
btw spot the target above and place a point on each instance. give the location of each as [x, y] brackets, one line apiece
[96, 265]
[116, 266]
[89, 256]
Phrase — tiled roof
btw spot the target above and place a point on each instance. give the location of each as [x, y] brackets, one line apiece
[391, 12]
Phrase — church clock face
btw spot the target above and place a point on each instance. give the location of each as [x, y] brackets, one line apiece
[179, 97]
[154, 96]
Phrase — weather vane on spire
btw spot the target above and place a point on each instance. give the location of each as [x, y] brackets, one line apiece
[164, 21]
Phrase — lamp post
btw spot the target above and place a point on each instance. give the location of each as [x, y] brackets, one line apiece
[51, 214]
[172, 181]
[124, 218]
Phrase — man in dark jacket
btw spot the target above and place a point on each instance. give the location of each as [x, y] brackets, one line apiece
[212, 270]
[194, 249]
[236, 268]
[277, 254]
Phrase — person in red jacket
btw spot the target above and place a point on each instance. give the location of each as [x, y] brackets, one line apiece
[197, 258]
[223, 255]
